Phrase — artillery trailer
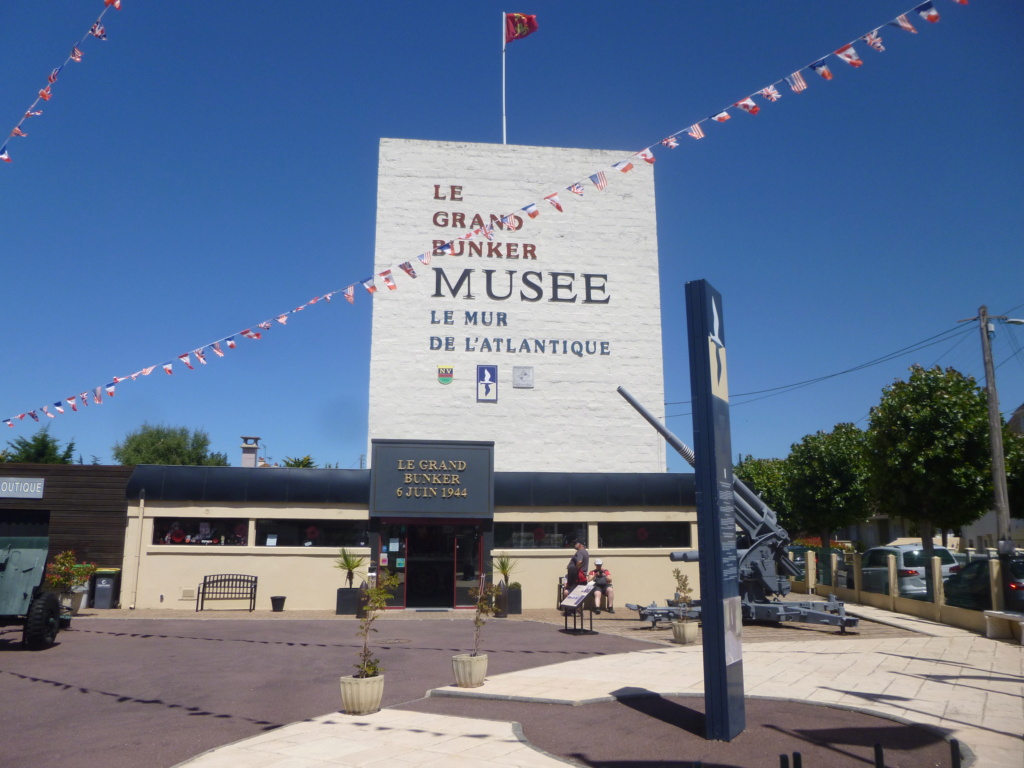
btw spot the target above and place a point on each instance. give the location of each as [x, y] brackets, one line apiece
[22, 599]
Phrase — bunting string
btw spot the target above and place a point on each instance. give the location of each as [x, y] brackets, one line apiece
[98, 31]
[508, 222]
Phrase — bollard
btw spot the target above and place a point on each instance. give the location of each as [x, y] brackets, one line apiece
[783, 761]
[879, 756]
[798, 761]
[954, 751]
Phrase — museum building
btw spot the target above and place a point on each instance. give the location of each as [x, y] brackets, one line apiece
[500, 334]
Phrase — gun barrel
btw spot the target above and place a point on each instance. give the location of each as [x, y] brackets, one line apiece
[686, 556]
[684, 450]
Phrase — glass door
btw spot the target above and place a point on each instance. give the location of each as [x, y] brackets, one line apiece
[468, 547]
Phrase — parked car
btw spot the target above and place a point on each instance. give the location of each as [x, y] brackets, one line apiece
[969, 587]
[910, 574]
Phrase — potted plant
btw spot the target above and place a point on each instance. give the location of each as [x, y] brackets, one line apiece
[515, 598]
[361, 693]
[348, 596]
[684, 631]
[504, 565]
[66, 576]
[471, 668]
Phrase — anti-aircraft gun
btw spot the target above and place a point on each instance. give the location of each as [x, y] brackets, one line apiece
[764, 565]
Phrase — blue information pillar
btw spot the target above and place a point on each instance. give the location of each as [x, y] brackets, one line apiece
[721, 612]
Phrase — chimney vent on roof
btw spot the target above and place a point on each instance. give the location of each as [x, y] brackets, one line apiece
[250, 447]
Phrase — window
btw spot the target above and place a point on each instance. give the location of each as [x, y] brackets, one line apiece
[311, 533]
[537, 535]
[916, 558]
[643, 534]
[201, 530]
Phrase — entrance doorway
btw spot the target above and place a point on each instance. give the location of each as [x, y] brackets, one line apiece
[437, 563]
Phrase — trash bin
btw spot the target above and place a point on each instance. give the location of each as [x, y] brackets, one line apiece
[107, 589]
[277, 603]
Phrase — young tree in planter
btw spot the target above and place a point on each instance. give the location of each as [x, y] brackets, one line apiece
[928, 451]
[349, 563]
[377, 597]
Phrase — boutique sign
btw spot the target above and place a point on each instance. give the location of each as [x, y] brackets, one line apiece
[21, 488]
[432, 479]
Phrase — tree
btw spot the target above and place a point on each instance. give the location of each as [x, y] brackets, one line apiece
[828, 481]
[928, 451]
[41, 448]
[768, 478]
[167, 445]
[303, 462]
[1013, 450]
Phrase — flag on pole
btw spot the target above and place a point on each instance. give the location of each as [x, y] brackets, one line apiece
[519, 25]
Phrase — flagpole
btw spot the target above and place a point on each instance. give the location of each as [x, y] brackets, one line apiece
[504, 132]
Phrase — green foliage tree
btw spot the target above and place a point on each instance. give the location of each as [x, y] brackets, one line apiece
[1013, 450]
[768, 478]
[303, 462]
[928, 451]
[159, 444]
[41, 448]
[828, 482]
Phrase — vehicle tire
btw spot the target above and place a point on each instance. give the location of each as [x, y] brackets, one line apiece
[42, 623]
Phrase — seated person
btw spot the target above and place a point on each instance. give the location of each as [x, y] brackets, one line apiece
[602, 580]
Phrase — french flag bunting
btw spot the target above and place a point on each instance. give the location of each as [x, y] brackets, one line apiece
[216, 349]
[59, 406]
[388, 280]
[369, 286]
[553, 199]
[350, 294]
[406, 266]
[531, 210]
[847, 54]
[9, 423]
[748, 105]
[110, 389]
[822, 69]
[185, 359]
[927, 12]
[230, 341]
[623, 166]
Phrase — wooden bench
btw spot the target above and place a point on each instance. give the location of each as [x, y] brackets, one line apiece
[999, 624]
[227, 586]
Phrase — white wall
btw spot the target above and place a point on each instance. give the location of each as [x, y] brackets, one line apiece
[572, 419]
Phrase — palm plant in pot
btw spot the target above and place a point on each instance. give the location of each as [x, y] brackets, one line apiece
[348, 596]
[361, 693]
[471, 668]
[684, 631]
[507, 602]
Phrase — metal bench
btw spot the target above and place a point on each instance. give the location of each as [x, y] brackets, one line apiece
[227, 586]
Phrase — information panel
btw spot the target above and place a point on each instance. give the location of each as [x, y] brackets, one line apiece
[425, 478]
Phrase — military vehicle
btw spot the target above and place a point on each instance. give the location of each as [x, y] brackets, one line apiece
[22, 599]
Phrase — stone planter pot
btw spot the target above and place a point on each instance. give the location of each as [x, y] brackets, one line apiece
[361, 695]
[684, 632]
[470, 671]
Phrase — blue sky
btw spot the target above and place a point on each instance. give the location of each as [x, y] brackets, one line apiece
[212, 165]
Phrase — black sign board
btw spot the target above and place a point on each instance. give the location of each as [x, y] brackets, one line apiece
[424, 478]
[721, 610]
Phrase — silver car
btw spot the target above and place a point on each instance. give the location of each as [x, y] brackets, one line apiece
[910, 573]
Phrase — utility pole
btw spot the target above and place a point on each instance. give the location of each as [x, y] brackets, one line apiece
[995, 435]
